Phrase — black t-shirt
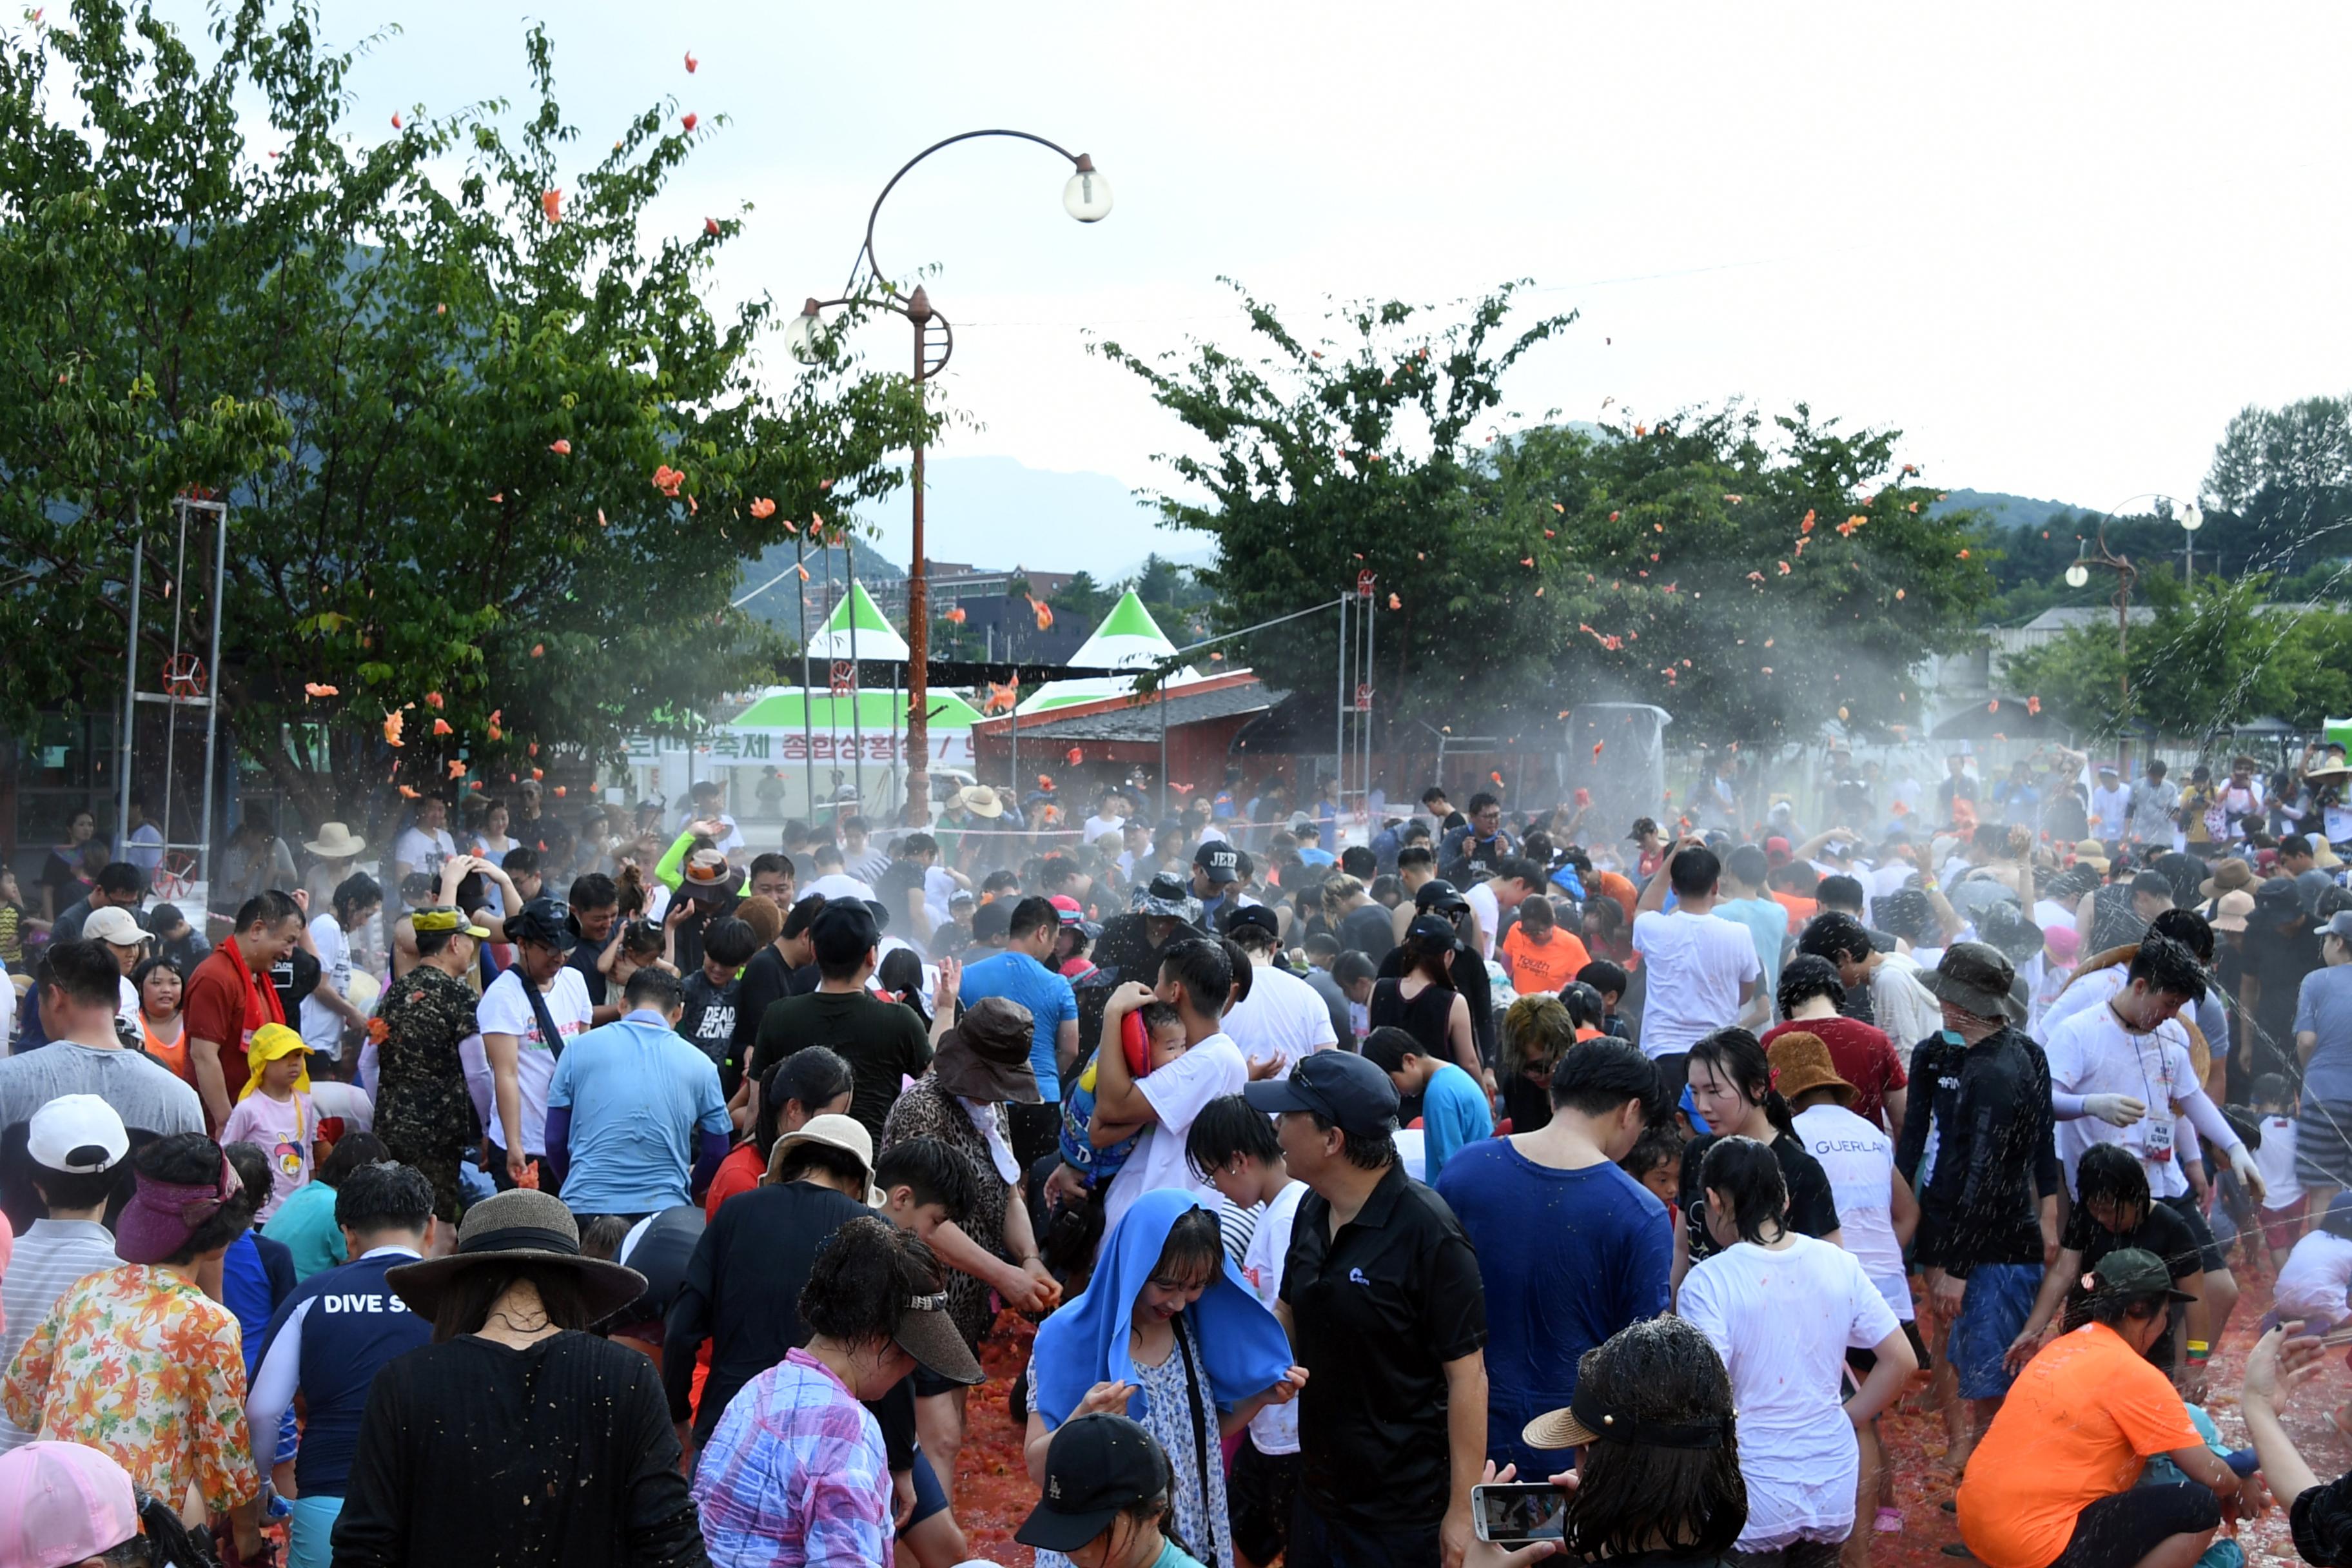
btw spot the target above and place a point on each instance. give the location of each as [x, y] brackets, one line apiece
[584, 957]
[2277, 960]
[881, 1041]
[2163, 1232]
[1379, 1309]
[1812, 1209]
[1367, 930]
[898, 879]
[710, 1022]
[766, 979]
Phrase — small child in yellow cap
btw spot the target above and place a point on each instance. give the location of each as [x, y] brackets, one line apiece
[274, 1112]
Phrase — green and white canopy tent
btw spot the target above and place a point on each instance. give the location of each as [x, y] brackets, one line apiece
[1128, 638]
[874, 637]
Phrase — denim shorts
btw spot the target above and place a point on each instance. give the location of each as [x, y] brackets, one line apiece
[1998, 1299]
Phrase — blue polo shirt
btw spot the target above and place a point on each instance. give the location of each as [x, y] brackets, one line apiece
[328, 1340]
[1017, 977]
[638, 1093]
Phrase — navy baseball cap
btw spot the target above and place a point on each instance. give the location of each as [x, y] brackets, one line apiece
[1220, 860]
[1097, 1467]
[1342, 1087]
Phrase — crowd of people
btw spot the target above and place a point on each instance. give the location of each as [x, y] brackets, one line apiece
[607, 1189]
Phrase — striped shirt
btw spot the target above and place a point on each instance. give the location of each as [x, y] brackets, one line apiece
[795, 1473]
[47, 1257]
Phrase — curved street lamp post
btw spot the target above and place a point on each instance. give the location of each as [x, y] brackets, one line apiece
[1087, 197]
[2078, 574]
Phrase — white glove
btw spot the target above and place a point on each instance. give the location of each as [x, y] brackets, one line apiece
[2243, 1161]
[2115, 1109]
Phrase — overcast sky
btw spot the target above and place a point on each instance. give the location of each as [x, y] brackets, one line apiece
[2057, 245]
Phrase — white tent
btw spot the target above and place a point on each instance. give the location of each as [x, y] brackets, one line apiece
[875, 637]
[1128, 638]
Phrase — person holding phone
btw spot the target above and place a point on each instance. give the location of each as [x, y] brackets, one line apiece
[1660, 1483]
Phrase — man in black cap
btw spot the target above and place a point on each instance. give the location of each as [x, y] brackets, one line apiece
[883, 1042]
[1382, 1295]
[528, 1014]
[1988, 1212]
[1216, 867]
[1439, 897]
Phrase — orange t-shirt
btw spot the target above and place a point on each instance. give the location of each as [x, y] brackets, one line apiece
[1619, 889]
[2077, 1426]
[1543, 966]
[1800, 909]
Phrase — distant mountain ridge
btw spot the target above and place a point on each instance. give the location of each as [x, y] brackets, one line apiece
[2002, 509]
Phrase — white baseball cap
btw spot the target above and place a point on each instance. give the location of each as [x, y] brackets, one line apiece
[115, 926]
[77, 1133]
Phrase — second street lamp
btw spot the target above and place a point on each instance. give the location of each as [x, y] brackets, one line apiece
[1087, 197]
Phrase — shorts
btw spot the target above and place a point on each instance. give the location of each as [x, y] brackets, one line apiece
[2322, 1145]
[1260, 1491]
[1999, 1299]
[310, 1537]
[2282, 1226]
[1796, 1555]
[2209, 1251]
[1865, 1362]
[1329, 1540]
[930, 1498]
[2117, 1532]
[927, 1382]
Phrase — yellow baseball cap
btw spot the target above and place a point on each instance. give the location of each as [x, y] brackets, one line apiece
[270, 1042]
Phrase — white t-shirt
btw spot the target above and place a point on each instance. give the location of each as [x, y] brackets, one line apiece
[2275, 1161]
[2083, 993]
[2313, 1279]
[938, 887]
[505, 1010]
[1783, 1322]
[2090, 1053]
[1698, 964]
[1275, 1428]
[1095, 827]
[1859, 1160]
[1282, 1018]
[1906, 1010]
[1481, 900]
[348, 1100]
[423, 851]
[1889, 878]
[840, 885]
[322, 1029]
[1208, 1071]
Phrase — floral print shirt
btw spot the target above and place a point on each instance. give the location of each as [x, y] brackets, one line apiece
[138, 1363]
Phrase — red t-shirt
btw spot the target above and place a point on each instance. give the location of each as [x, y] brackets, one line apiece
[1863, 1055]
[223, 1004]
[739, 1173]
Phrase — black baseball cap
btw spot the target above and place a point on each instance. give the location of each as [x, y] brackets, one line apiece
[1097, 1467]
[1342, 1087]
[843, 931]
[547, 921]
[1257, 915]
[1430, 928]
[1220, 860]
[1437, 893]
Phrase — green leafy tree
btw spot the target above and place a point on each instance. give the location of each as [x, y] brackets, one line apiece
[1085, 601]
[2281, 486]
[489, 458]
[2209, 660]
[1755, 579]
